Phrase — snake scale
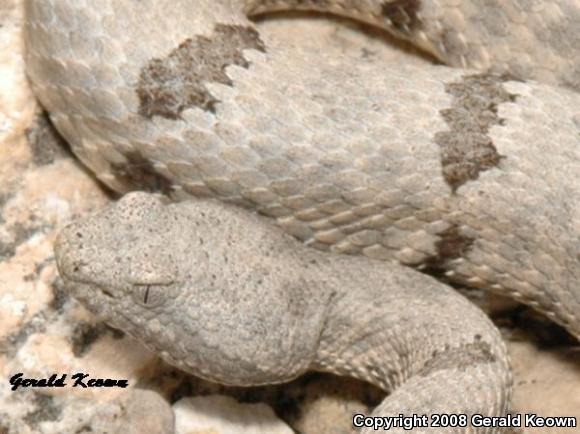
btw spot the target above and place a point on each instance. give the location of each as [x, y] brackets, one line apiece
[470, 174]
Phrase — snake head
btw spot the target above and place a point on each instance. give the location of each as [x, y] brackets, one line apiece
[203, 284]
[119, 253]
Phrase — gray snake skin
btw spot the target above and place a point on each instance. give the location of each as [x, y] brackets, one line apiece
[223, 295]
[468, 174]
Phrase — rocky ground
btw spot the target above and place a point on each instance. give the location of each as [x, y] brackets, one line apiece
[43, 331]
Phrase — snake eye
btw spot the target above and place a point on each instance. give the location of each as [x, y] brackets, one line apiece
[145, 273]
[149, 295]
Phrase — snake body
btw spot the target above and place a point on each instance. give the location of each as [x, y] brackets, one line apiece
[224, 295]
[471, 175]
[468, 174]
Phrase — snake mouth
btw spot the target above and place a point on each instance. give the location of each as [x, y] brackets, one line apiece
[107, 293]
[86, 291]
[98, 300]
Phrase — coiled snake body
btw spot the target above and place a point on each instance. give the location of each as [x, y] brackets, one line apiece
[470, 174]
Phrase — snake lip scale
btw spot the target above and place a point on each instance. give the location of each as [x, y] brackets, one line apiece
[470, 174]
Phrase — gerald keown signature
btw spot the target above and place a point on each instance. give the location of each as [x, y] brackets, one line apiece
[79, 379]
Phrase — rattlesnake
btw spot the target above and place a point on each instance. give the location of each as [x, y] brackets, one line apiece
[219, 293]
[473, 175]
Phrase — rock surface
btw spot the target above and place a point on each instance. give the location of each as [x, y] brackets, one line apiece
[547, 383]
[224, 415]
[43, 331]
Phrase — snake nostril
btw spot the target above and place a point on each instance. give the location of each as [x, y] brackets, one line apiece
[77, 267]
[107, 293]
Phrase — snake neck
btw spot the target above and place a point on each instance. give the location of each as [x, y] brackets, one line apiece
[415, 339]
[389, 337]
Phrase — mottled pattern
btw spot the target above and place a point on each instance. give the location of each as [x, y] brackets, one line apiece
[467, 149]
[168, 86]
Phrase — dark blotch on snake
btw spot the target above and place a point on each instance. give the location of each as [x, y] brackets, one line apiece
[461, 358]
[452, 244]
[402, 14]
[138, 173]
[466, 149]
[175, 83]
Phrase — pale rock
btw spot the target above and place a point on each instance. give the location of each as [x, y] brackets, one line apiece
[17, 105]
[329, 415]
[547, 383]
[137, 411]
[224, 415]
